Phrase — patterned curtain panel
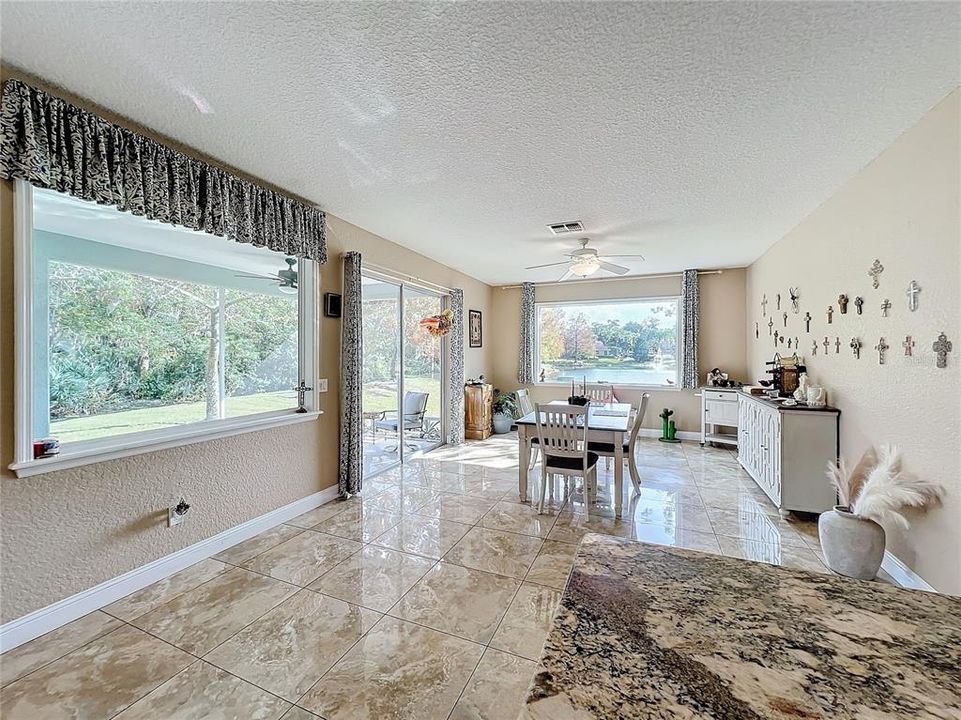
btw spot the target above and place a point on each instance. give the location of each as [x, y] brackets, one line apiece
[52, 144]
[455, 427]
[351, 476]
[525, 370]
[691, 316]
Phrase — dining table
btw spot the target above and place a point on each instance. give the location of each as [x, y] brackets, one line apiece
[606, 423]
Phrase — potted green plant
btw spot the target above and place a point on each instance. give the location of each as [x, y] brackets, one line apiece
[504, 408]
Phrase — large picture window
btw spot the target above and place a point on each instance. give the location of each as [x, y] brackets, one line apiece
[623, 342]
[139, 331]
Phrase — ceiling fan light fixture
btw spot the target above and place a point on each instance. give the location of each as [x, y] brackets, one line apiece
[585, 266]
[288, 289]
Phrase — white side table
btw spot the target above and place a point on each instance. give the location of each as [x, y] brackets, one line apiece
[718, 409]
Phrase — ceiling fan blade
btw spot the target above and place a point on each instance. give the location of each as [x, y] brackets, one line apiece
[624, 257]
[536, 267]
[616, 269]
[565, 276]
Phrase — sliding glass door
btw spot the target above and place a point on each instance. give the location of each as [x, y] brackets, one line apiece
[403, 373]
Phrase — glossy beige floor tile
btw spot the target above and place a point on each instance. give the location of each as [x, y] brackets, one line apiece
[497, 689]
[799, 558]
[360, 523]
[242, 552]
[423, 536]
[153, 596]
[457, 600]
[398, 671]
[493, 551]
[682, 515]
[375, 577]
[658, 492]
[553, 564]
[298, 713]
[205, 692]
[517, 518]
[492, 487]
[304, 558]
[527, 622]
[96, 681]
[402, 499]
[45, 649]
[288, 649]
[456, 508]
[571, 527]
[202, 618]
[676, 537]
[750, 524]
[316, 516]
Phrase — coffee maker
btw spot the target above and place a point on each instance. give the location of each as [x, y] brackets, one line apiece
[786, 373]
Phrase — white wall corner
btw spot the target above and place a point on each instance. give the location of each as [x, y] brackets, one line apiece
[33, 625]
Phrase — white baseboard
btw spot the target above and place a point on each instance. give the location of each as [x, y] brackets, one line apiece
[16, 632]
[902, 574]
[681, 434]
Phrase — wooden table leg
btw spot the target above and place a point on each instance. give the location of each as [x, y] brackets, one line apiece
[618, 473]
[524, 453]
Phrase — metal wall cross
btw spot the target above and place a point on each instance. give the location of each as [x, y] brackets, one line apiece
[830, 314]
[856, 346]
[912, 293]
[302, 391]
[881, 347]
[859, 304]
[795, 300]
[770, 324]
[814, 347]
[908, 346]
[874, 273]
[942, 346]
[785, 319]
[837, 345]
[764, 306]
[779, 301]
[757, 331]
[827, 344]
[807, 321]
[885, 306]
[776, 335]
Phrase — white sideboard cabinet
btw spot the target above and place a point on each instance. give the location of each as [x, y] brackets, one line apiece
[787, 450]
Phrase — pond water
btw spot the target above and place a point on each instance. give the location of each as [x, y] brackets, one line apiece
[627, 375]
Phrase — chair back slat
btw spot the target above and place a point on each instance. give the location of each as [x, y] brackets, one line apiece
[638, 419]
[562, 429]
[524, 402]
[601, 393]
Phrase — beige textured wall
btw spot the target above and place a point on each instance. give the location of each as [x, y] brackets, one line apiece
[721, 335]
[63, 532]
[904, 210]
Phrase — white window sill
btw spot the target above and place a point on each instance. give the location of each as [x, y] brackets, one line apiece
[626, 386]
[95, 451]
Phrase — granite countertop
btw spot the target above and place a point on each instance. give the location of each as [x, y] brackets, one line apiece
[649, 631]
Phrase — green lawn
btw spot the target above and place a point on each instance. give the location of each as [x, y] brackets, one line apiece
[383, 395]
[155, 418]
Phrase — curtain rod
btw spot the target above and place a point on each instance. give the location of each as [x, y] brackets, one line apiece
[608, 279]
[402, 276]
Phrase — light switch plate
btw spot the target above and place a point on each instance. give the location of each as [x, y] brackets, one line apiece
[322, 385]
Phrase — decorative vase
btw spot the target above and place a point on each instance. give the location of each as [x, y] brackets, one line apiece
[852, 545]
[502, 423]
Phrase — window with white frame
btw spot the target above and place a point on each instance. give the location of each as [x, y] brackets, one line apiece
[622, 342]
[140, 331]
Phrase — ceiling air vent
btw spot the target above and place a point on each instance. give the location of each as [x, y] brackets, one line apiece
[574, 226]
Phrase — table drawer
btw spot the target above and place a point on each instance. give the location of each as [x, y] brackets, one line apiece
[720, 395]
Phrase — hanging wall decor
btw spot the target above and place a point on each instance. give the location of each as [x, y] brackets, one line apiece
[908, 346]
[856, 346]
[814, 347]
[789, 343]
[785, 319]
[837, 345]
[885, 306]
[438, 325]
[881, 347]
[776, 335]
[942, 346]
[807, 322]
[779, 301]
[843, 303]
[795, 300]
[830, 314]
[912, 292]
[757, 331]
[874, 273]
[827, 344]
[859, 304]
[770, 325]
[797, 343]
[764, 306]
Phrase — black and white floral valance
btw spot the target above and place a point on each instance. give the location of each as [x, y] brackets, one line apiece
[52, 144]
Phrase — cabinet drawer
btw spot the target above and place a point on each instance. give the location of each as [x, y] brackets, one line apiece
[718, 395]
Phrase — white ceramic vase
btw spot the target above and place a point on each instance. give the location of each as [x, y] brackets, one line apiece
[852, 545]
[502, 423]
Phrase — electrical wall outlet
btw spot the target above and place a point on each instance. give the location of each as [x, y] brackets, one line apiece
[178, 513]
[322, 385]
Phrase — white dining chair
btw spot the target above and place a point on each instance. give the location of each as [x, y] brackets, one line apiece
[526, 407]
[600, 393]
[606, 450]
[562, 435]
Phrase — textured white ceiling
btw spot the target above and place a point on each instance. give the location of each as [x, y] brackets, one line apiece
[695, 134]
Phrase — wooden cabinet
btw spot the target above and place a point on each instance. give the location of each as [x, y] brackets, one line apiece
[478, 411]
[787, 450]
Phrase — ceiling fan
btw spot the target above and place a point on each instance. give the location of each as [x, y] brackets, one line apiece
[585, 261]
[286, 278]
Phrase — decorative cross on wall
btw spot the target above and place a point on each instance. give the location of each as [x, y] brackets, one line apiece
[797, 343]
[881, 347]
[776, 335]
[942, 346]
[912, 293]
[856, 346]
[807, 322]
[874, 273]
[827, 344]
[795, 300]
[908, 346]
[814, 347]
[785, 319]
[885, 306]
[843, 303]
[779, 301]
[770, 324]
[859, 304]
[757, 331]
[789, 343]
[764, 306]
[830, 314]
[837, 345]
